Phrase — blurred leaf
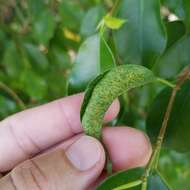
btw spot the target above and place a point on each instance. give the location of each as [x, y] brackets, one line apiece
[34, 85]
[142, 39]
[177, 133]
[94, 57]
[174, 59]
[71, 14]
[181, 8]
[36, 7]
[186, 5]
[113, 22]
[176, 6]
[121, 178]
[43, 27]
[7, 106]
[59, 58]
[37, 58]
[174, 166]
[91, 20]
[156, 182]
[12, 62]
[175, 30]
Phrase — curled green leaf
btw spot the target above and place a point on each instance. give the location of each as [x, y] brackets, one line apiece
[113, 22]
[103, 90]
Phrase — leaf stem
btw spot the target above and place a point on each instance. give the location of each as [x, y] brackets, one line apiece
[13, 95]
[128, 185]
[166, 82]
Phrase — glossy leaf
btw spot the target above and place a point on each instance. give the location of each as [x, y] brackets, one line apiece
[177, 133]
[142, 39]
[156, 182]
[175, 30]
[94, 57]
[91, 20]
[113, 22]
[174, 59]
[121, 178]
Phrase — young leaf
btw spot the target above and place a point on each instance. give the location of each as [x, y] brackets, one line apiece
[177, 133]
[142, 39]
[103, 91]
[156, 182]
[121, 178]
[94, 57]
[113, 22]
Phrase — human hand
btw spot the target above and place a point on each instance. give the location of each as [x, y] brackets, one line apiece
[45, 148]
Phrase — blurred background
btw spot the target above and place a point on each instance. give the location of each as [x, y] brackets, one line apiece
[39, 40]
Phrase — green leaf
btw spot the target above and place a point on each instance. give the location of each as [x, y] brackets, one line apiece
[71, 14]
[174, 59]
[121, 178]
[186, 5]
[176, 6]
[94, 57]
[12, 62]
[7, 106]
[142, 39]
[156, 182]
[43, 27]
[34, 85]
[91, 20]
[59, 58]
[181, 8]
[88, 92]
[113, 22]
[175, 30]
[37, 58]
[117, 81]
[177, 133]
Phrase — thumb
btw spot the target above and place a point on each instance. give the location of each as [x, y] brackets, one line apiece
[76, 168]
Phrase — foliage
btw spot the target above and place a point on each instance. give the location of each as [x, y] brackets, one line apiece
[49, 49]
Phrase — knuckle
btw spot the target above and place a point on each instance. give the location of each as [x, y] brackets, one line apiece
[29, 176]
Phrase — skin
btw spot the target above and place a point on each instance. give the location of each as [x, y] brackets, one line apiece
[103, 92]
[37, 148]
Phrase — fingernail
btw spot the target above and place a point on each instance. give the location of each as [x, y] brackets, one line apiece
[84, 153]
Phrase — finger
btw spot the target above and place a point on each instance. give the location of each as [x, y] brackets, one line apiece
[29, 132]
[76, 168]
[127, 147]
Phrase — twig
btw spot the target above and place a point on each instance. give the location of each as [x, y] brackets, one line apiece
[13, 95]
[183, 76]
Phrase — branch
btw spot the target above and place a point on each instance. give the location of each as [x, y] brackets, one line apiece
[182, 77]
[13, 95]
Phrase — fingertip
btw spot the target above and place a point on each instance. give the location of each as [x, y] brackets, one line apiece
[127, 147]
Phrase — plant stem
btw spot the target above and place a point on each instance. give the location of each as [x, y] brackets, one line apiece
[129, 185]
[161, 80]
[13, 95]
[153, 162]
[114, 8]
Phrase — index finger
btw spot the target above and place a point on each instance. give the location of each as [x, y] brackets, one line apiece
[30, 132]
